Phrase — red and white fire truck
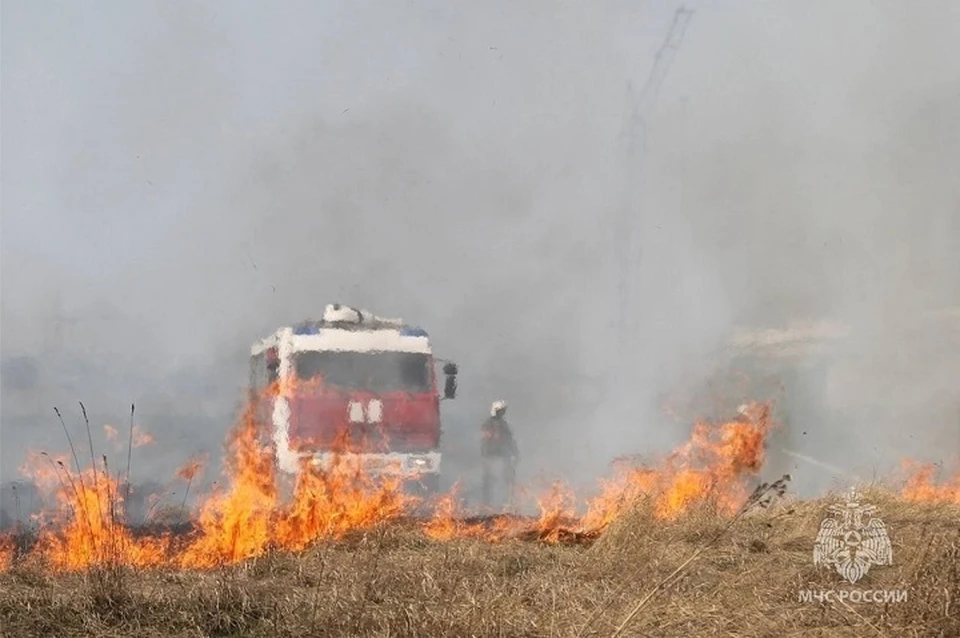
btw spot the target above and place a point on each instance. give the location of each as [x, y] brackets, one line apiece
[355, 377]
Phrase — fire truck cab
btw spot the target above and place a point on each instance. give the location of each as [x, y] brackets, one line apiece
[357, 378]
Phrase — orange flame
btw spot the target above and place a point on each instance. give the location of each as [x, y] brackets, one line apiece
[189, 470]
[714, 465]
[235, 524]
[138, 438]
[921, 485]
[8, 549]
[91, 530]
[142, 438]
[248, 515]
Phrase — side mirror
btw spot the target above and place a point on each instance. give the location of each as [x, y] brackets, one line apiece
[450, 387]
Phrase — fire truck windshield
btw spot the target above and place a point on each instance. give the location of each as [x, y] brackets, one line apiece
[373, 372]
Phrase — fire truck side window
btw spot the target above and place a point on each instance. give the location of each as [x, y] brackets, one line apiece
[258, 369]
[261, 374]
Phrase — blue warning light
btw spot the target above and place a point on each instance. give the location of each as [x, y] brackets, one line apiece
[306, 329]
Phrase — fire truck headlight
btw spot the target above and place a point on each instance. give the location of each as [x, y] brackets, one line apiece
[419, 464]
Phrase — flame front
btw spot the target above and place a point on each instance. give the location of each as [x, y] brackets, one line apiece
[8, 550]
[715, 465]
[249, 517]
[249, 514]
[89, 528]
[236, 523]
[921, 485]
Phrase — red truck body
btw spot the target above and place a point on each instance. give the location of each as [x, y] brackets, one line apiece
[354, 385]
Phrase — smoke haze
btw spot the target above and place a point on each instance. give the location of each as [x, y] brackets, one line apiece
[180, 180]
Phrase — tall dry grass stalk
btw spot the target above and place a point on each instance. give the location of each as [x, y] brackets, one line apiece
[702, 573]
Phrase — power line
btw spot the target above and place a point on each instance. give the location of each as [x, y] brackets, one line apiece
[628, 253]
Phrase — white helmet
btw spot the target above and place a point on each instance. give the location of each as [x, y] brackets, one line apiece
[498, 408]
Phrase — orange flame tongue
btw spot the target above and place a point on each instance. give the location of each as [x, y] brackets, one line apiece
[712, 465]
[249, 518]
[236, 525]
[93, 532]
[443, 526]
[556, 513]
[332, 503]
[922, 486]
[716, 462]
[8, 549]
[189, 470]
[686, 488]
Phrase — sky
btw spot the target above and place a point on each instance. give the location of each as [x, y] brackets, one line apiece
[181, 179]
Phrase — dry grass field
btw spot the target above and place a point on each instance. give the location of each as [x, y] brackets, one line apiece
[693, 545]
[393, 580]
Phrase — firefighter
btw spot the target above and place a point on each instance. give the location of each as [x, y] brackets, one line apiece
[498, 447]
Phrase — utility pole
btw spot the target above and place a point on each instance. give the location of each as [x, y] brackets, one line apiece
[626, 238]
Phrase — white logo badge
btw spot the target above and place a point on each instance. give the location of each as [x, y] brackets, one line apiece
[851, 545]
[372, 414]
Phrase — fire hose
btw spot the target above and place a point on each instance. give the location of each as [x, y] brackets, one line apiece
[813, 461]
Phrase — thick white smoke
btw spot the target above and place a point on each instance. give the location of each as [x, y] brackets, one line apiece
[178, 183]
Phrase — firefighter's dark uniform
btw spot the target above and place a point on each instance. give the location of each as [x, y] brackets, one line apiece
[497, 446]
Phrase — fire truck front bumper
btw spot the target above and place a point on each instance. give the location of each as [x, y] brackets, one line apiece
[405, 466]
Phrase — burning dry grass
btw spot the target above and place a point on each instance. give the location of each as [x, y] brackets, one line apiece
[247, 516]
[663, 550]
[394, 580]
